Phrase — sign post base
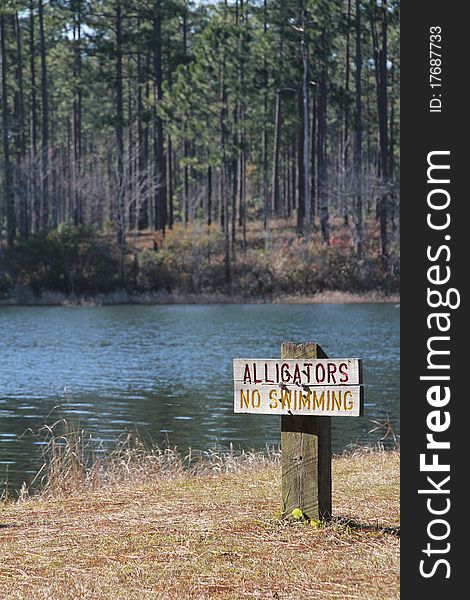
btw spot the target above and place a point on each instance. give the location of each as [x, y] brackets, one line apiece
[306, 452]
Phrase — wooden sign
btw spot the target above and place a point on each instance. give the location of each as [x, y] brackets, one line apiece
[316, 387]
[318, 371]
[306, 388]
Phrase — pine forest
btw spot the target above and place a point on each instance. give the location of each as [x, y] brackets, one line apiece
[246, 148]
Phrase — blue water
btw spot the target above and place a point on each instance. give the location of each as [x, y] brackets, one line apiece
[166, 371]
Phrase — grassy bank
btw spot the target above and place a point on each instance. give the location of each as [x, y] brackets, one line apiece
[145, 527]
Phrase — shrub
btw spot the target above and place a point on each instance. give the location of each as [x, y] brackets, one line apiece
[191, 260]
[67, 259]
[154, 271]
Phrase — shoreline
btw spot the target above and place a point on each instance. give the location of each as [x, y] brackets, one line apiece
[27, 298]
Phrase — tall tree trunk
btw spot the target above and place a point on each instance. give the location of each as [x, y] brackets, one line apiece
[129, 165]
[277, 134]
[300, 166]
[391, 164]
[34, 195]
[236, 141]
[294, 171]
[383, 128]
[68, 170]
[139, 164]
[224, 216]
[186, 173]
[346, 116]
[44, 121]
[276, 152]
[391, 167]
[287, 182]
[358, 137]
[347, 70]
[322, 146]
[209, 196]
[313, 170]
[160, 162]
[53, 154]
[170, 210]
[121, 208]
[143, 143]
[241, 114]
[305, 121]
[21, 184]
[185, 190]
[77, 113]
[380, 58]
[265, 124]
[235, 168]
[242, 187]
[7, 175]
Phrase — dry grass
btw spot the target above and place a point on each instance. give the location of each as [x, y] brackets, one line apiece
[141, 526]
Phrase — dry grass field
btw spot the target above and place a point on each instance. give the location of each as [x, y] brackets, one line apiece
[143, 526]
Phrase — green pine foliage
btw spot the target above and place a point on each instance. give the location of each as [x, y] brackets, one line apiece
[255, 103]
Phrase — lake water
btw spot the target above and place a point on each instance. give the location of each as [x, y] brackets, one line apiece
[167, 372]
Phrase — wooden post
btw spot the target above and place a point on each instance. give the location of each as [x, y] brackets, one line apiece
[306, 452]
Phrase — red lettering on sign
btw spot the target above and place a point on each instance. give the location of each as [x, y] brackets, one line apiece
[343, 369]
[307, 370]
[247, 375]
[255, 375]
[320, 373]
[266, 373]
[285, 373]
[297, 376]
[331, 373]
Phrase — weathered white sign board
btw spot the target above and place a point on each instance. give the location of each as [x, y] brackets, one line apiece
[321, 387]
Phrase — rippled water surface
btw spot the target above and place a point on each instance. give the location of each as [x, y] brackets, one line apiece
[166, 371]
